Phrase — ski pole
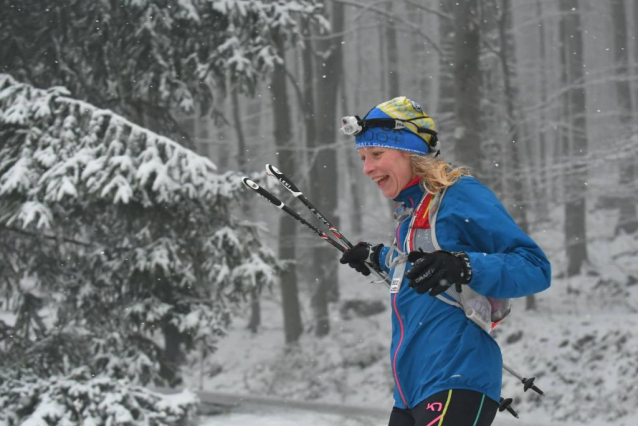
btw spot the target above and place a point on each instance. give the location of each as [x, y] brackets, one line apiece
[287, 183]
[527, 383]
[280, 205]
[506, 404]
[290, 186]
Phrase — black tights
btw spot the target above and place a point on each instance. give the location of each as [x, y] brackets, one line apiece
[457, 407]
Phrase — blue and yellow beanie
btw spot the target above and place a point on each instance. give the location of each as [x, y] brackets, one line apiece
[407, 139]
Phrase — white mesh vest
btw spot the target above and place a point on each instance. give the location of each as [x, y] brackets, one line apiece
[485, 312]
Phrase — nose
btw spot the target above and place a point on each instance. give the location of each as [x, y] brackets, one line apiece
[368, 166]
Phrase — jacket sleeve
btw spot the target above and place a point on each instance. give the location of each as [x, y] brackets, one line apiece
[506, 262]
[382, 258]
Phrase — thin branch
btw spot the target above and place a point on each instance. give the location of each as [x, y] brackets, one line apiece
[295, 85]
[429, 10]
[415, 27]
[579, 85]
[341, 33]
[49, 237]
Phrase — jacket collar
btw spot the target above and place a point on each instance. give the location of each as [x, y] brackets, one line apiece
[411, 194]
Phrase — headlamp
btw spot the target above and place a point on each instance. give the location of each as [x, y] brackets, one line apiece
[353, 125]
[350, 126]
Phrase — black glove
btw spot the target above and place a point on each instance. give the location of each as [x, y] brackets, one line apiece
[437, 271]
[362, 255]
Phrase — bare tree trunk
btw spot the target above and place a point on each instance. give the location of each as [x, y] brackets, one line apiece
[253, 124]
[356, 211]
[287, 226]
[324, 171]
[221, 153]
[356, 221]
[392, 50]
[575, 101]
[446, 115]
[356, 205]
[255, 308]
[467, 83]
[628, 218]
[383, 63]
[635, 61]
[173, 354]
[239, 132]
[308, 94]
[508, 64]
[495, 147]
[543, 175]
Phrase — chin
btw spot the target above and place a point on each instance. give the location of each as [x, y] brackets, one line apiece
[390, 196]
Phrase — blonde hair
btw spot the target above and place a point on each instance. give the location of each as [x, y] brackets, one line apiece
[435, 174]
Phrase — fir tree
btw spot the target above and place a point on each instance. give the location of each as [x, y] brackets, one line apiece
[146, 59]
[109, 234]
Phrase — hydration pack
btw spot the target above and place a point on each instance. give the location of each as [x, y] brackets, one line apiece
[486, 312]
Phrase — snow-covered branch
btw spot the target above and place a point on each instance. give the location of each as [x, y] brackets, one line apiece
[121, 233]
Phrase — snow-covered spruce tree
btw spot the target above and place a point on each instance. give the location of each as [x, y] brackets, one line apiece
[146, 59]
[109, 233]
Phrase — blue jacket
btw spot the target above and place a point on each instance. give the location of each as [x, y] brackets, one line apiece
[434, 346]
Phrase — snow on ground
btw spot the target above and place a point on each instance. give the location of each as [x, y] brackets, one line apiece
[291, 417]
[296, 417]
[287, 418]
[580, 345]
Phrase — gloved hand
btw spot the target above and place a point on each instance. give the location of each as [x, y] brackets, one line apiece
[437, 271]
[362, 255]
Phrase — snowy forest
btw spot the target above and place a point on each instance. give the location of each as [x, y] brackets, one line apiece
[142, 283]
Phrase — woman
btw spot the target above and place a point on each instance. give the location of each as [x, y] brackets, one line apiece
[454, 239]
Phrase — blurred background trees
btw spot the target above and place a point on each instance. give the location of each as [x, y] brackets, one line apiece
[537, 98]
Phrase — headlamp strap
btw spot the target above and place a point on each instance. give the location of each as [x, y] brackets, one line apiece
[391, 123]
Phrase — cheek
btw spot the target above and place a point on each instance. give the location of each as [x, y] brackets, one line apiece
[405, 174]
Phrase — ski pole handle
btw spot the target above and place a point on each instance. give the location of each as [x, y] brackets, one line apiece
[280, 205]
[290, 186]
[274, 171]
[267, 195]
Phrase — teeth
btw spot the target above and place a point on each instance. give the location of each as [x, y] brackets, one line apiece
[377, 179]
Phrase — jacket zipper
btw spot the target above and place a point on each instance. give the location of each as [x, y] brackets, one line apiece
[396, 312]
[396, 351]
[394, 299]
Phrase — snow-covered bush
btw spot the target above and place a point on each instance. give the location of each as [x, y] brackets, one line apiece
[111, 237]
[81, 398]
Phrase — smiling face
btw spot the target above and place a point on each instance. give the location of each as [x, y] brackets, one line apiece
[389, 168]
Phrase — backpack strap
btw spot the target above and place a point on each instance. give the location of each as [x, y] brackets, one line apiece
[476, 307]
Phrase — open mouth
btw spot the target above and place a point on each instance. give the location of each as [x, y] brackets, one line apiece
[380, 180]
